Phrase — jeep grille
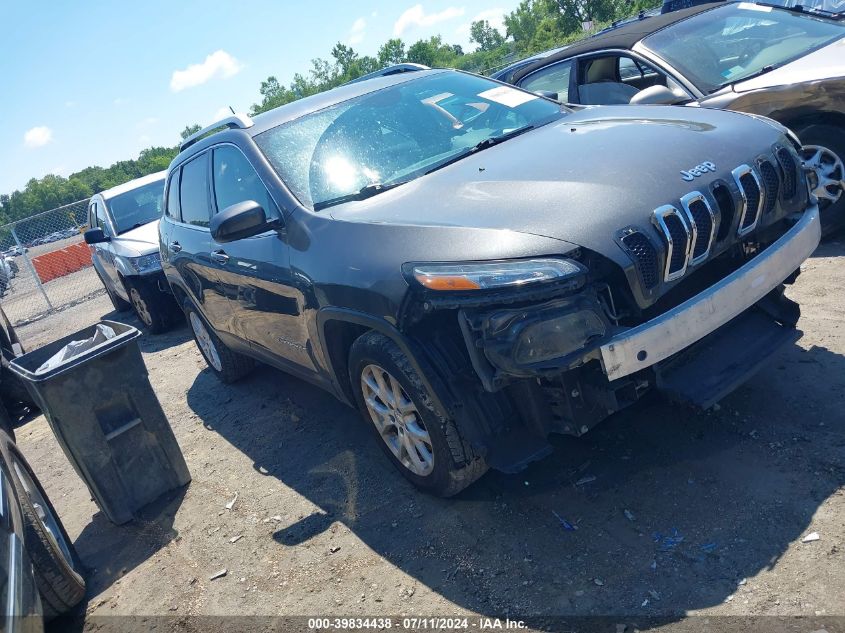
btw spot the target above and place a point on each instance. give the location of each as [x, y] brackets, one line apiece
[644, 254]
[701, 218]
[790, 180]
[752, 200]
[772, 185]
[677, 236]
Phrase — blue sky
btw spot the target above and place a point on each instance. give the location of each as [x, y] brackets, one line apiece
[89, 83]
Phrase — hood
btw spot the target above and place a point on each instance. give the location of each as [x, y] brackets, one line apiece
[826, 63]
[580, 179]
[139, 241]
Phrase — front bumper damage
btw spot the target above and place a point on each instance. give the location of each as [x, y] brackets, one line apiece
[658, 339]
[696, 352]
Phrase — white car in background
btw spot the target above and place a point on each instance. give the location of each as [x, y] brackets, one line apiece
[123, 228]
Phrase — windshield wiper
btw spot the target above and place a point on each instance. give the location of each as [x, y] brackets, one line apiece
[487, 142]
[367, 191]
[762, 71]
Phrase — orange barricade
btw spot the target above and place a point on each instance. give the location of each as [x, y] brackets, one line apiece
[62, 262]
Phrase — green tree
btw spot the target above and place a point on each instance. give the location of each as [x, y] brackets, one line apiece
[391, 52]
[190, 129]
[524, 21]
[486, 36]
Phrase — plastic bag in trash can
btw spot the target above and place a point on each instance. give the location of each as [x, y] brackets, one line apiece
[75, 348]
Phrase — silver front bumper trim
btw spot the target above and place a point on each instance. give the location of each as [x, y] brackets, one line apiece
[680, 327]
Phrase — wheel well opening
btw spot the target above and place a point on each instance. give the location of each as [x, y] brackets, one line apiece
[796, 123]
[338, 338]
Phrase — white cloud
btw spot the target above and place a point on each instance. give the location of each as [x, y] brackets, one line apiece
[120, 101]
[496, 18]
[144, 140]
[38, 136]
[70, 104]
[415, 16]
[357, 32]
[219, 63]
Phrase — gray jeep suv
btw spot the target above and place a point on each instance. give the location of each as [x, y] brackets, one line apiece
[475, 267]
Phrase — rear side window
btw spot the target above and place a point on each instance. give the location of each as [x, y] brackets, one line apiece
[193, 191]
[171, 208]
[236, 181]
[553, 78]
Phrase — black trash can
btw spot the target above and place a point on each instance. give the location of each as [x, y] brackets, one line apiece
[108, 420]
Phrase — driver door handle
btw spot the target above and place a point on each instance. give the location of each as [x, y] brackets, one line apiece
[175, 247]
[219, 256]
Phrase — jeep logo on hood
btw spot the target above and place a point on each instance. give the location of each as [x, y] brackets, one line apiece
[698, 170]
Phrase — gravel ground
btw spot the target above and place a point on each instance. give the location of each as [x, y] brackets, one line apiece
[677, 511]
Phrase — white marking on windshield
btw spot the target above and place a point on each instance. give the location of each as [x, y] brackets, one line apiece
[507, 96]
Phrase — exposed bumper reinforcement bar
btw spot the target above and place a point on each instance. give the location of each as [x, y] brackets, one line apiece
[671, 332]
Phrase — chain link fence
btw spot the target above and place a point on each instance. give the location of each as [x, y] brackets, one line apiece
[46, 264]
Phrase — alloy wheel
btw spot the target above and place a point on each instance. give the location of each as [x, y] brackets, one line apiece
[397, 420]
[827, 176]
[140, 306]
[206, 345]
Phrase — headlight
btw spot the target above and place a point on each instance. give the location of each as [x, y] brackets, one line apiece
[145, 263]
[558, 337]
[488, 275]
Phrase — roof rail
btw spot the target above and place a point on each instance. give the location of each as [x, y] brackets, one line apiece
[234, 122]
[395, 69]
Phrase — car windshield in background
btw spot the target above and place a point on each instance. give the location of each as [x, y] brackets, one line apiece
[738, 41]
[397, 134]
[137, 207]
[833, 7]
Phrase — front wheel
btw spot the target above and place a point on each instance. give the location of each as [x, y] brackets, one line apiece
[149, 303]
[425, 446]
[824, 153]
[58, 570]
[227, 365]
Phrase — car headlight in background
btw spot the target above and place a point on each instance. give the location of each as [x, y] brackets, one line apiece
[145, 263]
[491, 275]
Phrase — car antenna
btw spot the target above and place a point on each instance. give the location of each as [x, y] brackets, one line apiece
[232, 109]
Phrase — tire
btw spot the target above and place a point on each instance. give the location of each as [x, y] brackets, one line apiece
[833, 138]
[149, 304]
[55, 561]
[227, 365]
[118, 303]
[453, 465]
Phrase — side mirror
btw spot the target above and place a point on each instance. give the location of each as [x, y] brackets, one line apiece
[658, 95]
[239, 221]
[548, 94]
[96, 236]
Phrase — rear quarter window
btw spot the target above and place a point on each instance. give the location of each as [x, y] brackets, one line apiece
[171, 207]
[193, 192]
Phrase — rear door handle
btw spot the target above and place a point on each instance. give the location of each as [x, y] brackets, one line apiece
[175, 247]
[219, 256]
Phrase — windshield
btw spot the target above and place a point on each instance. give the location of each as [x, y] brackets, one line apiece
[737, 41]
[137, 207]
[827, 6]
[396, 134]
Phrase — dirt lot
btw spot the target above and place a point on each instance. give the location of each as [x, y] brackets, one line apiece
[688, 513]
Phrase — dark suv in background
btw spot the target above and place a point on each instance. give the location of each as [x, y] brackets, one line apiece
[476, 267]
